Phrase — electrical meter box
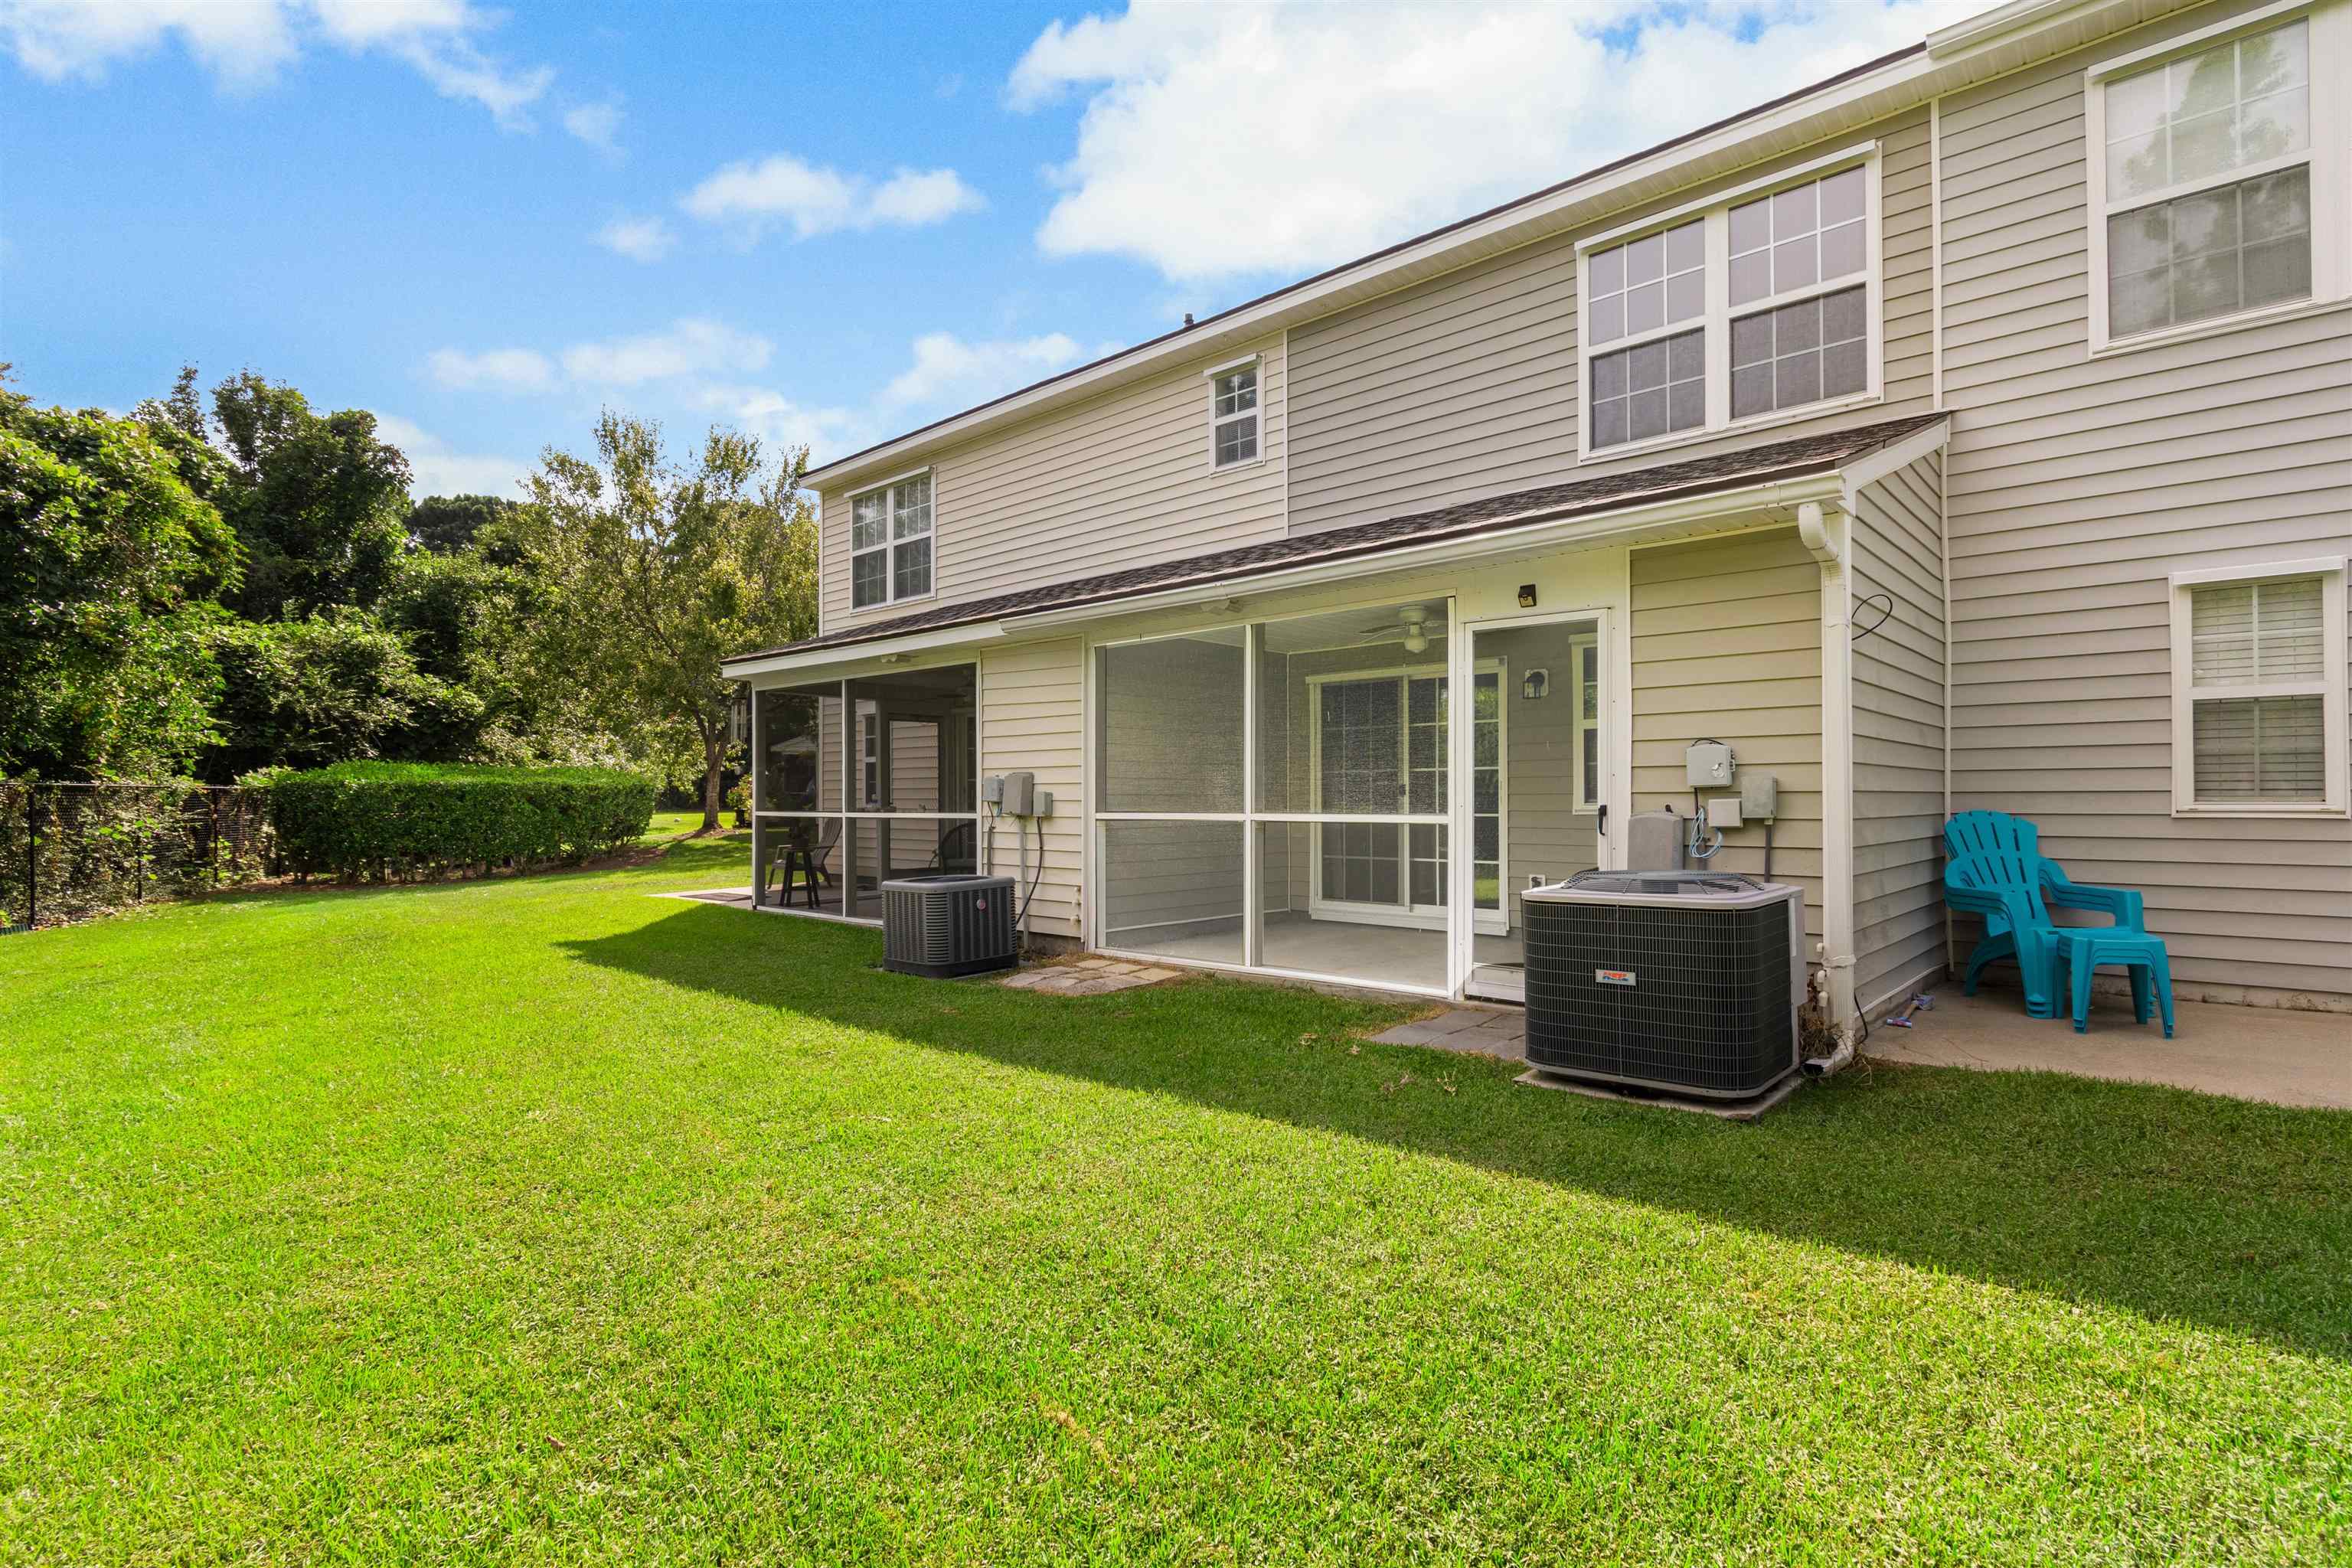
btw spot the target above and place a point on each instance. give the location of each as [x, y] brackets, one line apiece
[1709, 765]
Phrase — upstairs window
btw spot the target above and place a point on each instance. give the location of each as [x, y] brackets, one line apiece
[1760, 304]
[2258, 674]
[1233, 416]
[890, 542]
[2211, 193]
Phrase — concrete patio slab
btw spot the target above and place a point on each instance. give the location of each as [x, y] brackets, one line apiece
[2271, 1054]
[734, 898]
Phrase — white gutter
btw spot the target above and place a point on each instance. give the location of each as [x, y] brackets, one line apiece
[751, 664]
[1827, 532]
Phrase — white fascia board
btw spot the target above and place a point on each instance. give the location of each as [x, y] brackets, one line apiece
[823, 658]
[1516, 224]
[1988, 27]
[1867, 470]
[1625, 525]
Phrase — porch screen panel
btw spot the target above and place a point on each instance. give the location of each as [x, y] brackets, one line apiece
[1352, 755]
[1173, 888]
[798, 744]
[1168, 734]
[1384, 942]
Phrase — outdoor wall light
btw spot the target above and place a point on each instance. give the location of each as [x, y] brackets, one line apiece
[1527, 595]
[1537, 682]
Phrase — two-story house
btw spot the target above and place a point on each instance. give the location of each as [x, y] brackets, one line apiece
[1971, 429]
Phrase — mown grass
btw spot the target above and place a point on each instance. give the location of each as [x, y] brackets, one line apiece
[540, 1219]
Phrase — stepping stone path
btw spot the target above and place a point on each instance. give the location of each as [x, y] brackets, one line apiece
[1089, 977]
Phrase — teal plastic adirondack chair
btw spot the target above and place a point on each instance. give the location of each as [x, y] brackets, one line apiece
[1997, 870]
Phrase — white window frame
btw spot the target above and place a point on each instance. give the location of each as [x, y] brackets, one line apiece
[891, 541]
[2331, 211]
[1256, 415]
[2331, 686]
[1716, 323]
[1578, 645]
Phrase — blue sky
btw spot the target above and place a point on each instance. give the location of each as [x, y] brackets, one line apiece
[823, 225]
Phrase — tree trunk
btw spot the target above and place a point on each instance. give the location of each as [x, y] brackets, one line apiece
[714, 758]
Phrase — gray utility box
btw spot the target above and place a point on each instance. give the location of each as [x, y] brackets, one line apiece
[1683, 981]
[955, 924]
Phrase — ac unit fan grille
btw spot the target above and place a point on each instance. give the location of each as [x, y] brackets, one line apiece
[1700, 999]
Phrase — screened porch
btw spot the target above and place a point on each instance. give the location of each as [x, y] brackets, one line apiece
[1320, 772]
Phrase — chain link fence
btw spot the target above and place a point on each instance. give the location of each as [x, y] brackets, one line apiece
[68, 851]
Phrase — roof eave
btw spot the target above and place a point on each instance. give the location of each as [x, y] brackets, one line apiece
[1635, 522]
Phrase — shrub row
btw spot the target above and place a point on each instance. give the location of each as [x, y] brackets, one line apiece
[382, 819]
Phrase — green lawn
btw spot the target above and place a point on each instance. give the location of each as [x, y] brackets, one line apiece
[536, 1218]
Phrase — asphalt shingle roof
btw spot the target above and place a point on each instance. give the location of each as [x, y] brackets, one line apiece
[1666, 481]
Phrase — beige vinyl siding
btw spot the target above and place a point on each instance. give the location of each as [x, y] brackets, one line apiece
[1032, 716]
[1466, 386]
[1898, 733]
[1123, 480]
[2074, 487]
[1727, 640]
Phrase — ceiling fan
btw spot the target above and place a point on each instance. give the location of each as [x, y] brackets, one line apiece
[1410, 627]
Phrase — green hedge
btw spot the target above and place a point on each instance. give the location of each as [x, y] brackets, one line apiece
[384, 819]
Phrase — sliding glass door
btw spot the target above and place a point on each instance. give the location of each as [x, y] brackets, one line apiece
[1380, 744]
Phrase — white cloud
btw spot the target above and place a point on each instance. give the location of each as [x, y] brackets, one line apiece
[435, 470]
[638, 238]
[947, 370]
[597, 124]
[689, 347]
[517, 370]
[782, 423]
[1228, 140]
[710, 367]
[244, 43]
[781, 188]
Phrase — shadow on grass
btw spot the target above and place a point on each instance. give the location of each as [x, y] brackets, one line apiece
[2169, 1203]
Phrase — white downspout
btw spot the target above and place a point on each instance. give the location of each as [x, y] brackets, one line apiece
[1827, 533]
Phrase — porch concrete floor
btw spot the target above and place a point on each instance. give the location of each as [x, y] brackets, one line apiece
[2252, 1053]
[1371, 954]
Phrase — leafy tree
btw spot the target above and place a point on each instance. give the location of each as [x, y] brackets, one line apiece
[448, 524]
[465, 620]
[107, 552]
[320, 504]
[658, 573]
[329, 689]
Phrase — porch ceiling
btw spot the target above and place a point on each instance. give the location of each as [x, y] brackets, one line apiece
[1594, 500]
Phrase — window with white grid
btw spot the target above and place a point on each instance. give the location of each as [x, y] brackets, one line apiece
[1760, 306]
[2217, 175]
[2259, 688]
[890, 542]
[1232, 416]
